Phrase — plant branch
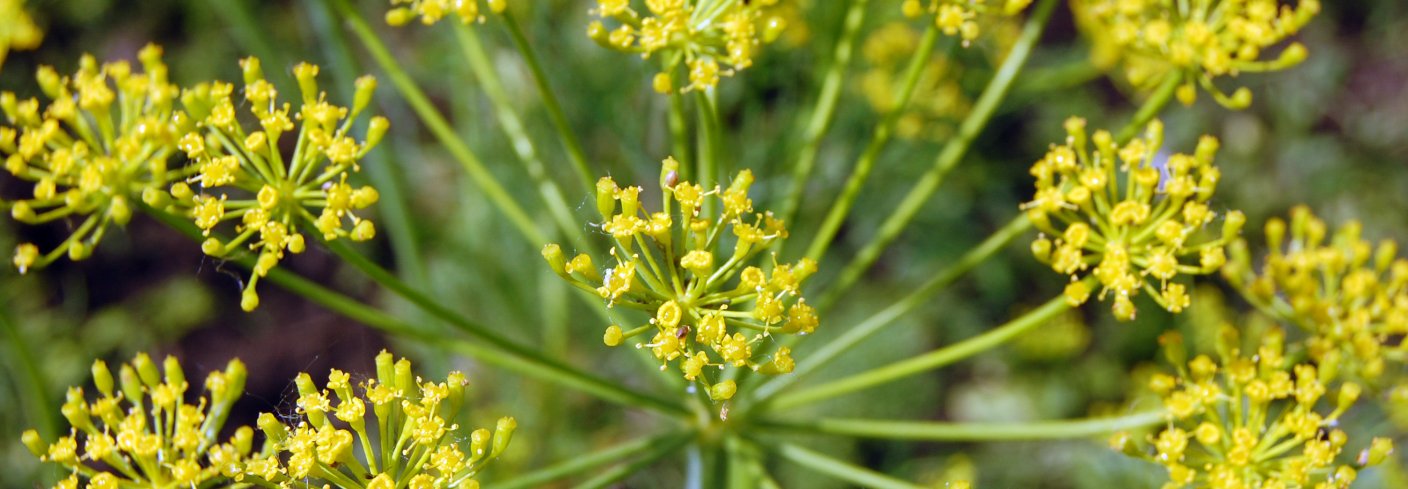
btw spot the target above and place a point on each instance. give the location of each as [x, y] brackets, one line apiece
[838, 468]
[928, 361]
[590, 461]
[951, 154]
[937, 431]
[550, 102]
[825, 110]
[616, 474]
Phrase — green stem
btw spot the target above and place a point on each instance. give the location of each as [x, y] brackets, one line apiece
[513, 128]
[842, 205]
[493, 349]
[616, 474]
[708, 144]
[928, 361]
[550, 102]
[595, 459]
[679, 135]
[825, 110]
[952, 152]
[382, 168]
[1151, 107]
[934, 431]
[437, 125]
[37, 401]
[878, 321]
[838, 468]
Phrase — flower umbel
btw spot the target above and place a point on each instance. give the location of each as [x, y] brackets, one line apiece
[142, 432]
[677, 264]
[1129, 213]
[17, 30]
[1200, 40]
[406, 436]
[103, 141]
[701, 39]
[431, 11]
[960, 17]
[276, 196]
[1249, 420]
[1348, 294]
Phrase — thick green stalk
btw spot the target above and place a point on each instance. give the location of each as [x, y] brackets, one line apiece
[928, 361]
[708, 146]
[616, 474]
[550, 102]
[679, 136]
[517, 134]
[838, 468]
[439, 126]
[878, 321]
[951, 154]
[841, 206]
[494, 349]
[36, 399]
[1151, 107]
[824, 111]
[936, 431]
[589, 461]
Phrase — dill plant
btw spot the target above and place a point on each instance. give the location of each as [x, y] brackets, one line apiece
[726, 300]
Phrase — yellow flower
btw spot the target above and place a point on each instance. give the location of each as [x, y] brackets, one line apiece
[1199, 40]
[1127, 216]
[960, 17]
[701, 39]
[1249, 419]
[142, 432]
[689, 265]
[276, 196]
[431, 451]
[1349, 294]
[102, 142]
[17, 30]
[431, 11]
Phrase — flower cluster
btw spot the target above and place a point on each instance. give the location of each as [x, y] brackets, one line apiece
[1349, 295]
[142, 432]
[1249, 420]
[17, 30]
[274, 192]
[145, 434]
[103, 140]
[431, 11]
[407, 438]
[938, 98]
[677, 264]
[960, 17]
[706, 39]
[1198, 40]
[1129, 212]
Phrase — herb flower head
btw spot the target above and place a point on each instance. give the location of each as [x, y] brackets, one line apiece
[142, 432]
[1249, 420]
[102, 141]
[244, 175]
[431, 11]
[17, 30]
[1199, 40]
[1127, 216]
[392, 431]
[702, 39]
[960, 17]
[1349, 295]
[690, 265]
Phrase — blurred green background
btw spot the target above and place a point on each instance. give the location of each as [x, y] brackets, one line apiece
[1331, 133]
